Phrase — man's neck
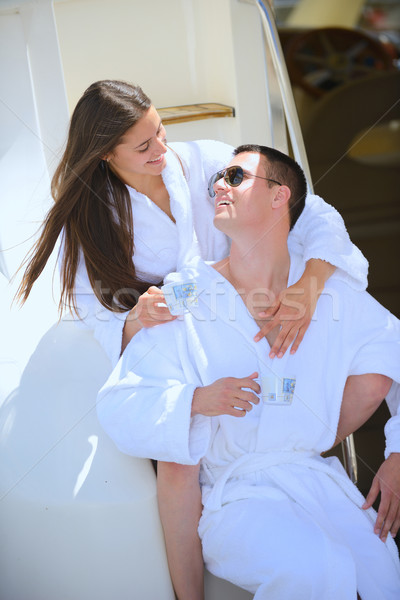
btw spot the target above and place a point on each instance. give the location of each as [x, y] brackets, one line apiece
[258, 267]
[259, 276]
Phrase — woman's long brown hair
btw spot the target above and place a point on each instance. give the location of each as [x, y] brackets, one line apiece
[92, 209]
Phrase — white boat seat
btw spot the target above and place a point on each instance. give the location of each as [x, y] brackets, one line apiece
[65, 484]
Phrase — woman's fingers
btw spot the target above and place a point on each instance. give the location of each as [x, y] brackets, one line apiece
[288, 335]
[292, 318]
[151, 308]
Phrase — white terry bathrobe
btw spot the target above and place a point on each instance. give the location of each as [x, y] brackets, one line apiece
[278, 520]
[162, 246]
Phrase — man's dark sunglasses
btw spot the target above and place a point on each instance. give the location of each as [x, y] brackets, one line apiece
[233, 177]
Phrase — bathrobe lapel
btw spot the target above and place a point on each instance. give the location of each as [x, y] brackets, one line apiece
[181, 208]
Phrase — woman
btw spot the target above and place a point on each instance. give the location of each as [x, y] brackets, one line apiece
[131, 209]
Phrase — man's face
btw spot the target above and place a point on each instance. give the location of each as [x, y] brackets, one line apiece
[247, 204]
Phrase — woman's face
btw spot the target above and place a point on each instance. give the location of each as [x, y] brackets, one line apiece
[141, 150]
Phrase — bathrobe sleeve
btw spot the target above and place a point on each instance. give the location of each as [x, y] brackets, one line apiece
[392, 428]
[107, 325]
[378, 336]
[320, 232]
[145, 406]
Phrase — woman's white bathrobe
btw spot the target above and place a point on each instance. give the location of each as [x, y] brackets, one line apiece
[278, 519]
[162, 246]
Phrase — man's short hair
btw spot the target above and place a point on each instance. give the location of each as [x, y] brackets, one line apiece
[283, 168]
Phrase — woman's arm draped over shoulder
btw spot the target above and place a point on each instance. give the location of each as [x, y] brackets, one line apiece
[320, 232]
[320, 236]
[295, 307]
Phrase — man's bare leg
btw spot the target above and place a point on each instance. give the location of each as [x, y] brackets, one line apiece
[179, 501]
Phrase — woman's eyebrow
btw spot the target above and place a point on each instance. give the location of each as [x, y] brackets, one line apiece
[147, 141]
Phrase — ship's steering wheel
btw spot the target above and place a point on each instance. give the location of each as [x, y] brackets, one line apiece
[322, 59]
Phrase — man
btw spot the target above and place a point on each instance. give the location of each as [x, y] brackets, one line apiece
[278, 520]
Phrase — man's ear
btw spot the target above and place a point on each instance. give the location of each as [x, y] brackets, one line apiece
[281, 197]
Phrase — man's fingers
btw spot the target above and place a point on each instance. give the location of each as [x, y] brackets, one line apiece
[237, 412]
[387, 482]
[394, 530]
[247, 398]
[372, 494]
[248, 382]
[389, 519]
[388, 514]
[380, 527]
[245, 405]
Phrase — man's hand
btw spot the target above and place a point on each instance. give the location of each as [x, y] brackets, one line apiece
[226, 396]
[387, 482]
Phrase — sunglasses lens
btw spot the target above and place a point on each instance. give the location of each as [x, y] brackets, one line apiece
[213, 179]
[234, 176]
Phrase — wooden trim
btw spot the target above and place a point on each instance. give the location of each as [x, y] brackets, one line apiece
[194, 112]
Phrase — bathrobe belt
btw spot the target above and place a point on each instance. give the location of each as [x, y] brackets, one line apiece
[218, 476]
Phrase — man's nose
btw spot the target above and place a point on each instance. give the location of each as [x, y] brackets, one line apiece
[220, 185]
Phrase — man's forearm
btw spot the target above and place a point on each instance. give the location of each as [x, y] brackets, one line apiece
[361, 398]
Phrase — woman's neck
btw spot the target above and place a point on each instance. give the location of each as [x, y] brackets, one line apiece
[145, 184]
[154, 188]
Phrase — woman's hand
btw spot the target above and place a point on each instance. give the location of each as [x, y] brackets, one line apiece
[151, 309]
[146, 313]
[226, 396]
[295, 307]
